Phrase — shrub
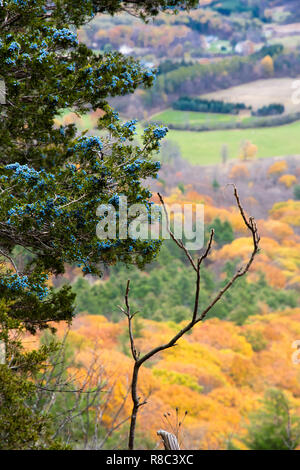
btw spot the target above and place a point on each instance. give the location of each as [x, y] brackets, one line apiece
[297, 192]
[270, 110]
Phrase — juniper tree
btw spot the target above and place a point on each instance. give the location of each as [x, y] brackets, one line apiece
[22, 426]
[52, 178]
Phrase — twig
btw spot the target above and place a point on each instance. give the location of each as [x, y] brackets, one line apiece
[130, 316]
[178, 242]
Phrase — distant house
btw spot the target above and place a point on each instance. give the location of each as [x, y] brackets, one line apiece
[124, 49]
[211, 39]
[207, 41]
[245, 48]
[244, 113]
[150, 65]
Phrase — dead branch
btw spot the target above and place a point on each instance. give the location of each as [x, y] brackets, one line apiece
[196, 317]
[169, 440]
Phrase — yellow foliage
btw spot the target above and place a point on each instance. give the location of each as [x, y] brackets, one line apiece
[239, 172]
[276, 229]
[267, 64]
[295, 282]
[248, 151]
[221, 334]
[277, 168]
[218, 373]
[274, 276]
[239, 248]
[288, 180]
[237, 222]
[242, 371]
[288, 212]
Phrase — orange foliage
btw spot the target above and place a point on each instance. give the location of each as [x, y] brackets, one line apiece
[218, 372]
[267, 64]
[239, 248]
[239, 172]
[274, 276]
[288, 180]
[275, 229]
[288, 212]
[248, 151]
[277, 168]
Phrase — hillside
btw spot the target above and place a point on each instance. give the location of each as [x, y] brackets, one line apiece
[229, 51]
[217, 374]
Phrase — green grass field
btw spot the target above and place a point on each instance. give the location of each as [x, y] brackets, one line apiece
[204, 148]
[191, 118]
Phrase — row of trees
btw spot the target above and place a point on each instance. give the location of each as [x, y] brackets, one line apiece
[270, 110]
[187, 103]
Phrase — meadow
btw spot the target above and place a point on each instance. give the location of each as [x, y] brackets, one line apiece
[191, 118]
[204, 148]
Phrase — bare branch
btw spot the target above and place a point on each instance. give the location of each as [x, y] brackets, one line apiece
[169, 440]
[130, 316]
[178, 242]
[196, 318]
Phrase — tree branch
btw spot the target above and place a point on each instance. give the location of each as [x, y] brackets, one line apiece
[196, 318]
